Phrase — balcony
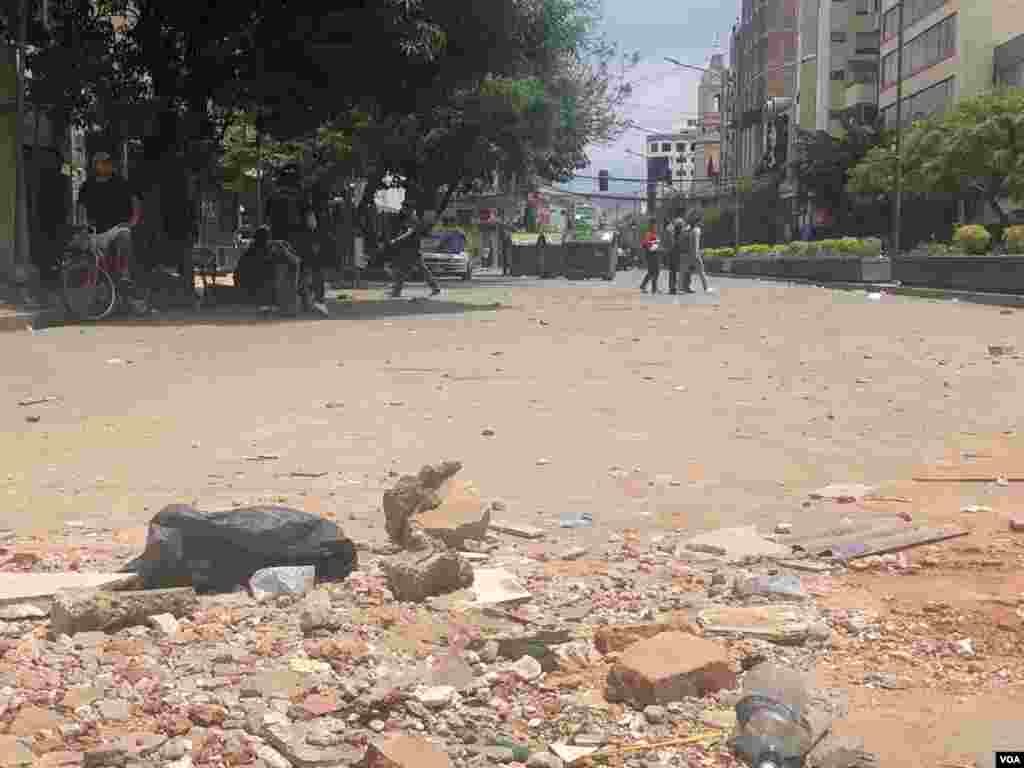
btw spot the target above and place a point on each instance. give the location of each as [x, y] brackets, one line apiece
[860, 93]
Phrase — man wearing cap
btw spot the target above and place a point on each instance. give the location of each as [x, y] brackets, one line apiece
[107, 202]
[407, 255]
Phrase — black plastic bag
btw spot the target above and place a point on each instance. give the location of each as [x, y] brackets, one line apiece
[217, 551]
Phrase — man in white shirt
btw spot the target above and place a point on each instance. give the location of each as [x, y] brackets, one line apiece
[696, 263]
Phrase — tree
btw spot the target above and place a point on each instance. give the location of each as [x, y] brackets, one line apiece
[978, 147]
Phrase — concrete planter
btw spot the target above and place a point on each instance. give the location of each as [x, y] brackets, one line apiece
[524, 261]
[553, 260]
[585, 259]
[823, 268]
[999, 274]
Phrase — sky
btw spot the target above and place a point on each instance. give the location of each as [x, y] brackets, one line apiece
[662, 92]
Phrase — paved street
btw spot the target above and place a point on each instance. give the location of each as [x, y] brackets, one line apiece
[734, 404]
[650, 413]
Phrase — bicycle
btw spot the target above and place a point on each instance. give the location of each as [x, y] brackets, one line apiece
[93, 283]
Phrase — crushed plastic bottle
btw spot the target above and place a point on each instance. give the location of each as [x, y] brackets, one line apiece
[772, 731]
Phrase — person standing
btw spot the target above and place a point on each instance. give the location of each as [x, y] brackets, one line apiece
[695, 263]
[649, 244]
[407, 254]
[675, 251]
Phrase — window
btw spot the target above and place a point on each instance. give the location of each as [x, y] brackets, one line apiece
[654, 148]
[680, 147]
[913, 12]
[863, 7]
[866, 43]
[839, 37]
[838, 75]
[717, 103]
[862, 72]
[666, 147]
[935, 44]
[930, 101]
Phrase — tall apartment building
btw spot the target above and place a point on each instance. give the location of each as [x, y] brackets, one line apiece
[952, 49]
[672, 159]
[763, 59]
[839, 61]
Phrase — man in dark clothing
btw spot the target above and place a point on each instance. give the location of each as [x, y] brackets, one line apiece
[407, 255]
[266, 271]
[109, 204]
[673, 254]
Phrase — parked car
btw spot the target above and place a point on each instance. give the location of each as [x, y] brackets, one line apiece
[445, 255]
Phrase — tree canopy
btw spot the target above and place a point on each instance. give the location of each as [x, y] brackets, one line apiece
[978, 147]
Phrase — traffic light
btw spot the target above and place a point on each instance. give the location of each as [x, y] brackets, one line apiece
[602, 181]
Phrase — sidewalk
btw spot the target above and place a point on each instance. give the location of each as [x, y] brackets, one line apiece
[939, 294]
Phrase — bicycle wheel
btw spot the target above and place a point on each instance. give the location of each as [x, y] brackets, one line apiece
[89, 291]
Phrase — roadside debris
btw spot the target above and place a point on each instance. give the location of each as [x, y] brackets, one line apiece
[292, 580]
[670, 667]
[219, 551]
[37, 400]
[736, 544]
[99, 610]
[514, 529]
[843, 492]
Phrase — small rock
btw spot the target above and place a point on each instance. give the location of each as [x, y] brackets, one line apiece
[543, 462]
[654, 714]
[964, 648]
[317, 613]
[272, 757]
[784, 528]
[289, 580]
[165, 624]
[114, 710]
[973, 509]
[488, 433]
[527, 669]
[22, 612]
[670, 667]
[489, 652]
[15, 753]
[436, 697]
[175, 749]
[413, 579]
[543, 760]
[1017, 524]
[405, 752]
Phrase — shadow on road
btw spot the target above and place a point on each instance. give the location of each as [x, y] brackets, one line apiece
[228, 315]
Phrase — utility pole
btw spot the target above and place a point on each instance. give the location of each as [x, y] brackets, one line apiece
[897, 201]
[736, 152]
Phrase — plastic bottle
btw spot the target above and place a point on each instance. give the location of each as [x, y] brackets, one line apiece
[771, 729]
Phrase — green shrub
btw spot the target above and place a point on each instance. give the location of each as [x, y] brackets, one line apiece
[758, 249]
[939, 249]
[1015, 239]
[800, 248]
[871, 248]
[973, 239]
[719, 253]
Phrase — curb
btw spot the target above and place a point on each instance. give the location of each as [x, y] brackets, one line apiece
[937, 294]
[16, 321]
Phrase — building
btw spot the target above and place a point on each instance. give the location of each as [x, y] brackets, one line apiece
[672, 159]
[839, 63]
[763, 59]
[952, 49]
[710, 100]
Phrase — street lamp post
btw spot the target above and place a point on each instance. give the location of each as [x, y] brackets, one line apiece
[730, 85]
[897, 201]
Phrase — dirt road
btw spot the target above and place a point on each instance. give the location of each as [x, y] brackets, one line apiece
[649, 413]
[733, 405]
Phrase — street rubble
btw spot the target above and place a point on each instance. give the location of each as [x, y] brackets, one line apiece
[456, 645]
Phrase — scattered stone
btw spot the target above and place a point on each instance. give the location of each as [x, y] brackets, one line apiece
[91, 610]
[654, 714]
[574, 554]
[737, 544]
[843, 492]
[272, 757]
[286, 580]
[281, 683]
[105, 756]
[973, 509]
[22, 612]
[30, 720]
[317, 613]
[570, 754]
[784, 585]
[405, 752]
[514, 529]
[462, 515]
[114, 710]
[670, 667]
[207, 715]
[81, 696]
[964, 648]
[782, 624]
[165, 624]
[175, 749]
[290, 742]
[1017, 524]
[998, 350]
[527, 669]
[436, 697]
[494, 586]
[413, 578]
[544, 760]
[617, 638]
[783, 528]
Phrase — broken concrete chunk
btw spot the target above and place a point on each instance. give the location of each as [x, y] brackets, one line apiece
[413, 495]
[514, 529]
[287, 580]
[405, 752]
[413, 579]
[782, 624]
[22, 612]
[617, 638]
[783, 586]
[15, 753]
[462, 515]
[737, 544]
[317, 613]
[91, 610]
[670, 667]
[843, 492]
[570, 754]
[494, 586]
[527, 669]
[165, 624]
[29, 587]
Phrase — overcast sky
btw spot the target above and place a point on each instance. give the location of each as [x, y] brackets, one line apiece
[662, 93]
